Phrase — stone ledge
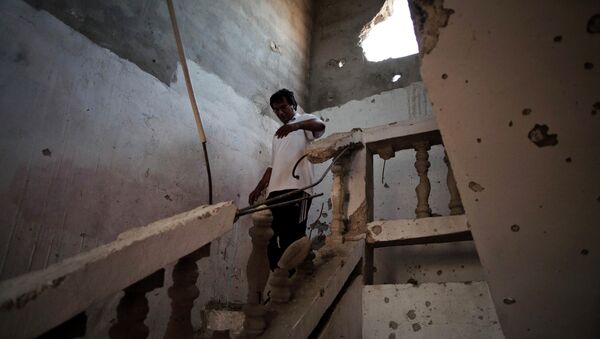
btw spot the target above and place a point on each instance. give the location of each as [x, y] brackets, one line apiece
[412, 229]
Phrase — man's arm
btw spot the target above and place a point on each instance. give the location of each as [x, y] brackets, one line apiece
[313, 125]
[262, 184]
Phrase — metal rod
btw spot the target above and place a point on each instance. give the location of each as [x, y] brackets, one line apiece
[253, 210]
[278, 198]
[191, 95]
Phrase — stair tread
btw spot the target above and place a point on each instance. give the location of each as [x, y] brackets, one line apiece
[422, 230]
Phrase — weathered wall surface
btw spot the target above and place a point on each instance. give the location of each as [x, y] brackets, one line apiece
[335, 38]
[92, 144]
[394, 194]
[255, 47]
[532, 193]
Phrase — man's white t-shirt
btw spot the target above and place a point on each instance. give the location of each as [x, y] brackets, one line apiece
[286, 152]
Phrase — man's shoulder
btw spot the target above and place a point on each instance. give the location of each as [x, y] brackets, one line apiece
[306, 116]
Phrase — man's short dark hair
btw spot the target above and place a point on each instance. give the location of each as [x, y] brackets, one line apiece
[284, 93]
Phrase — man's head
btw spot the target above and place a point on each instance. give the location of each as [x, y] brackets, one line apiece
[283, 104]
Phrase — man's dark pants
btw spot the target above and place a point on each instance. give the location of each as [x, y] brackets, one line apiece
[289, 224]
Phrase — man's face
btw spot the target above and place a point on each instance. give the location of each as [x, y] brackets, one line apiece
[283, 110]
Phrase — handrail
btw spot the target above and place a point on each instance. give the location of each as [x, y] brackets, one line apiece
[46, 298]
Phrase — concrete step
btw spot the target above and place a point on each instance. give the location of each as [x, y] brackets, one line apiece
[418, 231]
[430, 310]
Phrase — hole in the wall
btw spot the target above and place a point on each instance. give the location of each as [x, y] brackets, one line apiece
[593, 25]
[515, 228]
[396, 77]
[444, 76]
[539, 135]
[509, 301]
[390, 34]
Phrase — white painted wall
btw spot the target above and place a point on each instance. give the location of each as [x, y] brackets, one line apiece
[394, 197]
[120, 142]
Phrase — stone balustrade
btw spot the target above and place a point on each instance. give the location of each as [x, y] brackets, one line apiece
[52, 302]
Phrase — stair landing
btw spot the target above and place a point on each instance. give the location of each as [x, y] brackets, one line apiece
[430, 310]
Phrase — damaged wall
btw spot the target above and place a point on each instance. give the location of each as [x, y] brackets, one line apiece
[515, 91]
[335, 38]
[394, 194]
[94, 142]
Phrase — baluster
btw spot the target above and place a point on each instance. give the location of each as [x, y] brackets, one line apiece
[424, 187]
[292, 257]
[455, 205]
[133, 308]
[337, 202]
[257, 273]
[183, 293]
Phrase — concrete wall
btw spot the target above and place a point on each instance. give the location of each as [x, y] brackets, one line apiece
[498, 71]
[394, 196]
[255, 47]
[92, 144]
[335, 37]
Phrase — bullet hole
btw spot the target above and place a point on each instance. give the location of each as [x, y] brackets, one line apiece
[584, 252]
[588, 65]
[154, 60]
[509, 301]
[376, 229]
[466, 81]
[430, 322]
[47, 152]
[444, 76]
[168, 197]
[396, 77]
[439, 272]
[393, 325]
[480, 317]
[515, 228]
[386, 185]
[386, 300]
[416, 327]
[558, 38]
[274, 47]
[427, 303]
[475, 187]
[411, 314]
[372, 101]
[593, 25]
[412, 281]
[526, 111]
[341, 63]
[539, 136]
[568, 160]
[510, 124]
[479, 140]
[476, 200]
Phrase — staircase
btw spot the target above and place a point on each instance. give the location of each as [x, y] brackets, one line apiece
[406, 310]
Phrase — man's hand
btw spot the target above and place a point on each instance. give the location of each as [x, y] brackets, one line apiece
[284, 130]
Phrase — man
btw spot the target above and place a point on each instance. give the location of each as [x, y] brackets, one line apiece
[289, 144]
